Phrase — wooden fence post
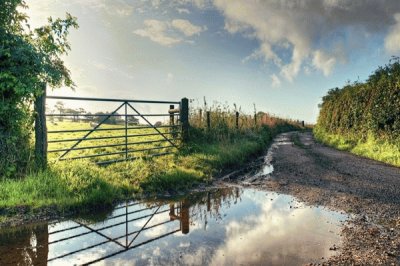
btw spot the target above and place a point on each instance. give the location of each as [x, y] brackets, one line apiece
[208, 120]
[41, 130]
[237, 120]
[185, 215]
[184, 117]
[200, 117]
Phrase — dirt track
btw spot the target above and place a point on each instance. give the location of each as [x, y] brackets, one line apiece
[368, 189]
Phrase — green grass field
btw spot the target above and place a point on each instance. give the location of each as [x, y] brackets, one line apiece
[81, 184]
[101, 138]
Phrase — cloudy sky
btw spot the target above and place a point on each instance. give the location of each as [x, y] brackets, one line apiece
[282, 55]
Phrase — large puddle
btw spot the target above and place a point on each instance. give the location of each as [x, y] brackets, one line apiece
[229, 226]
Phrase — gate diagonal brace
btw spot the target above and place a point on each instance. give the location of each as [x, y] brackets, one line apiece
[101, 234]
[150, 124]
[91, 131]
[143, 227]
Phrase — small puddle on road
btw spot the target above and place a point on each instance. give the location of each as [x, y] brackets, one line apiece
[268, 168]
[228, 226]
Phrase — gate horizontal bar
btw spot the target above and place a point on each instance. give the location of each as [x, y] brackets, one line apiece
[132, 212]
[102, 115]
[110, 145]
[105, 227]
[105, 242]
[104, 129]
[77, 226]
[109, 100]
[132, 247]
[112, 137]
[116, 153]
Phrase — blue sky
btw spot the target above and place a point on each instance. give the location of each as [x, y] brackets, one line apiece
[280, 55]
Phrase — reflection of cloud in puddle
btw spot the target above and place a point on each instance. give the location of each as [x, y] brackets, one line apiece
[264, 228]
[157, 251]
[87, 256]
[197, 258]
[184, 244]
[275, 236]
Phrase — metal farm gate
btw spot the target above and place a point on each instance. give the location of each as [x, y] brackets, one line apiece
[124, 132]
[121, 232]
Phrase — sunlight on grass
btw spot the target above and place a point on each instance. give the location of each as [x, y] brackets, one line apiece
[380, 150]
[82, 184]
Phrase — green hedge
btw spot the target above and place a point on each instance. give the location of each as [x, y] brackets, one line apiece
[360, 110]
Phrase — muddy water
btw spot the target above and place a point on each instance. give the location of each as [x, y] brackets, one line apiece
[268, 168]
[229, 226]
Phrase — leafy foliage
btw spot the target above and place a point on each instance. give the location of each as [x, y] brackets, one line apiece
[362, 109]
[364, 118]
[29, 59]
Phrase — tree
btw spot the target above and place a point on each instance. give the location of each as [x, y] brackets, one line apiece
[112, 120]
[29, 59]
[89, 117]
[60, 107]
[133, 120]
[74, 114]
[81, 111]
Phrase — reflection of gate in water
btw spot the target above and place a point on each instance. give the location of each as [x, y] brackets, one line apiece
[177, 212]
[130, 226]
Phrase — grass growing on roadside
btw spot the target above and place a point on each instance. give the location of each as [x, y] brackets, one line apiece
[377, 149]
[81, 185]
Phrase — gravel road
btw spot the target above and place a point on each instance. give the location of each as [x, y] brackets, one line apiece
[367, 189]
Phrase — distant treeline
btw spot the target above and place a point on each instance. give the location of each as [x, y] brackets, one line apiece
[367, 108]
[81, 115]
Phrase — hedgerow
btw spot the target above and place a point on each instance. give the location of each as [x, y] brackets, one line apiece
[363, 109]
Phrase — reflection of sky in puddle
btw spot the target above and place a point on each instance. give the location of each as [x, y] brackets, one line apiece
[267, 167]
[226, 227]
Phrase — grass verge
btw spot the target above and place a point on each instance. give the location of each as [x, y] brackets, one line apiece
[82, 185]
[373, 148]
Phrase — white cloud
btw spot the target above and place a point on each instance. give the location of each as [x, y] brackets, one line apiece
[309, 29]
[276, 82]
[392, 40]
[109, 67]
[156, 31]
[183, 10]
[323, 62]
[156, 3]
[169, 33]
[115, 8]
[201, 4]
[186, 27]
